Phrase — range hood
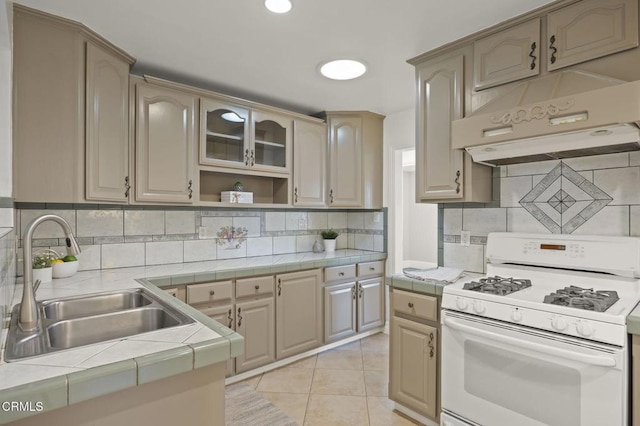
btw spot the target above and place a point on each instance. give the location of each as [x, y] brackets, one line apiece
[565, 115]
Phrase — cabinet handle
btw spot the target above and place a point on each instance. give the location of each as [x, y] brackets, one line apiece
[127, 187]
[360, 291]
[457, 182]
[331, 196]
[239, 317]
[230, 318]
[552, 47]
[431, 345]
[279, 286]
[246, 157]
[253, 159]
[257, 287]
[353, 292]
[533, 56]
[212, 292]
[295, 194]
[372, 268]
[189, 188]
[341, 274]
[410, 305]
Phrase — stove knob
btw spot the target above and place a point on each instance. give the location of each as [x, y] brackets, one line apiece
[462, 304]
[584, 329]
[558, 323]
[516, 315]
[479, 307]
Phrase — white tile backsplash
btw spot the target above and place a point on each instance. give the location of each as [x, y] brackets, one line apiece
[526, 169]
[363, 242]
[274, 221]
[513, 189]
[337, 220]
[160, 253]
[355, 220]
[611, 220]
[282, 245]
[482, 221]
[47, 229]
[305, 242]
[227, 253]
[620, 184]
[252, 224]
[470, 258]
[143, 222]
[606, 161]
[318, 220]
[452, 221]
[200, 250]
[634, 221]
[122, 255]
[102, 223]
[215, 223]
[180, 222]
[296, 221]
[262, 246]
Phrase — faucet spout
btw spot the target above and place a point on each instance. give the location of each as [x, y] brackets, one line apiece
[29, 316]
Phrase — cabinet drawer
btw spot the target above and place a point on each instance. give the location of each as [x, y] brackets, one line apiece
[254, 286]
[370, 268]
[209, 292]
[415, 304]
[177, 292]
[339, 273]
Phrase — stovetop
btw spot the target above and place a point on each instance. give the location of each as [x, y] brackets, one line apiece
[583, 298]
[497, 285]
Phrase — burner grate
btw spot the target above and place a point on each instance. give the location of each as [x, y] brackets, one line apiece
[497, 285]
[583, 298]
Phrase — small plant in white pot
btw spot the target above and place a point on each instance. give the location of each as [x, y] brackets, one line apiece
[41, 267]
[329, 236]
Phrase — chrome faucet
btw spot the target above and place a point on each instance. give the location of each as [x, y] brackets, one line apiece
[28, 318]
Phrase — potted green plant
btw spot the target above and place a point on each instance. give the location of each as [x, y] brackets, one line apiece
[329, 236]
[41, 267]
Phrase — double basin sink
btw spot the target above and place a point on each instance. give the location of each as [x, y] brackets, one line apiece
[84, 320]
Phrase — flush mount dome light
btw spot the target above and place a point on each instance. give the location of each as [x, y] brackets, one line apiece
[343, 69]
[232, 116]
[278, 6]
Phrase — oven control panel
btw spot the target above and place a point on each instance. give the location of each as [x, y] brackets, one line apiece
[616, 255]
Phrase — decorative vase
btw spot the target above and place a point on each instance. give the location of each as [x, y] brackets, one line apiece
[43, 274]
[329, 245]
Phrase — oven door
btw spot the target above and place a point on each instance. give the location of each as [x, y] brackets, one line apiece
[495, 373]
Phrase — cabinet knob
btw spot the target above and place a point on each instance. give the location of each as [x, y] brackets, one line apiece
[212, 292]
[410, 305]
[257, 287]
[372, 268]
[341, 274]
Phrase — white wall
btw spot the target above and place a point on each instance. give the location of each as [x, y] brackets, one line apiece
[5, 100]
[399, 135]
[419, 245]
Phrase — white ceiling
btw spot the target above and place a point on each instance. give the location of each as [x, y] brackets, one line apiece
[239, 48]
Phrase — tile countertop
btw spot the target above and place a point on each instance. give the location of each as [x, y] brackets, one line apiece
[66, 377]
[431, 288]
[633, 321]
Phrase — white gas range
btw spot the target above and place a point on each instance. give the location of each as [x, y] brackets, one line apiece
[542, 339]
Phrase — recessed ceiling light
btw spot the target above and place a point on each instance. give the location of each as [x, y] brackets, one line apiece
[278, 6]
[232, 116]
[343, 69]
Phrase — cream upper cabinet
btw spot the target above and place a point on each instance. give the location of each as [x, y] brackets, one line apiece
[309, 164]
[439, 168]
[238, 137]
[164, 145]
[70, 112]
[590, 29]
[298, 312]
[355, 159]
[107, 139]
[507, 56]
[444, 174]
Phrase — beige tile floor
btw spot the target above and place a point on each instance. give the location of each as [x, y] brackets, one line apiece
[343, 386]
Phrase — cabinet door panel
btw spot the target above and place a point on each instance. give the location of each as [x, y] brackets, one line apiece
[309, 164]
[439, 172]
[591, 29]
[298, 312]
[224, 134]
[507, 56]
[272, 135]
[107, 103]
[339, 311]
[345, 159]
[255, 322]
[225, 315]
[370, 304]
[164, 145]
[413, 367]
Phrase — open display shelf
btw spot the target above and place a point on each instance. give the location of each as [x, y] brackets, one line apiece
[266, 190]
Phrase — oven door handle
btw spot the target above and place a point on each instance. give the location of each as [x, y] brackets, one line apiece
[560, 353]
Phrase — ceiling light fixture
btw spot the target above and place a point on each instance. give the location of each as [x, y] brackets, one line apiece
[278, 6]
[343, 69]
[232, 116]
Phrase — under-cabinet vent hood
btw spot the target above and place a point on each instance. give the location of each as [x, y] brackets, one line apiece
[568, 114]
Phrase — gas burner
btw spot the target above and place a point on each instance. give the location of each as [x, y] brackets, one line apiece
[583, 298]
[497, 285]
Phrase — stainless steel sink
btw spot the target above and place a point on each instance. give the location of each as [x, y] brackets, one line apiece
[85, 320]
[82, 306]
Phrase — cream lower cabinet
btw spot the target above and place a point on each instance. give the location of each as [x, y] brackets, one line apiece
[340, 318]
[255, 322]
[224, 315]
[413, 358]
[165, 141]
[370, 304]
[298, 312]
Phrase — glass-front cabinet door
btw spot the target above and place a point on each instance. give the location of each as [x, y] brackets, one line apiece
[224, 139]
[271, 142]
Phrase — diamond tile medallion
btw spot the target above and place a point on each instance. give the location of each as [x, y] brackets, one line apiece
[564, 200]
